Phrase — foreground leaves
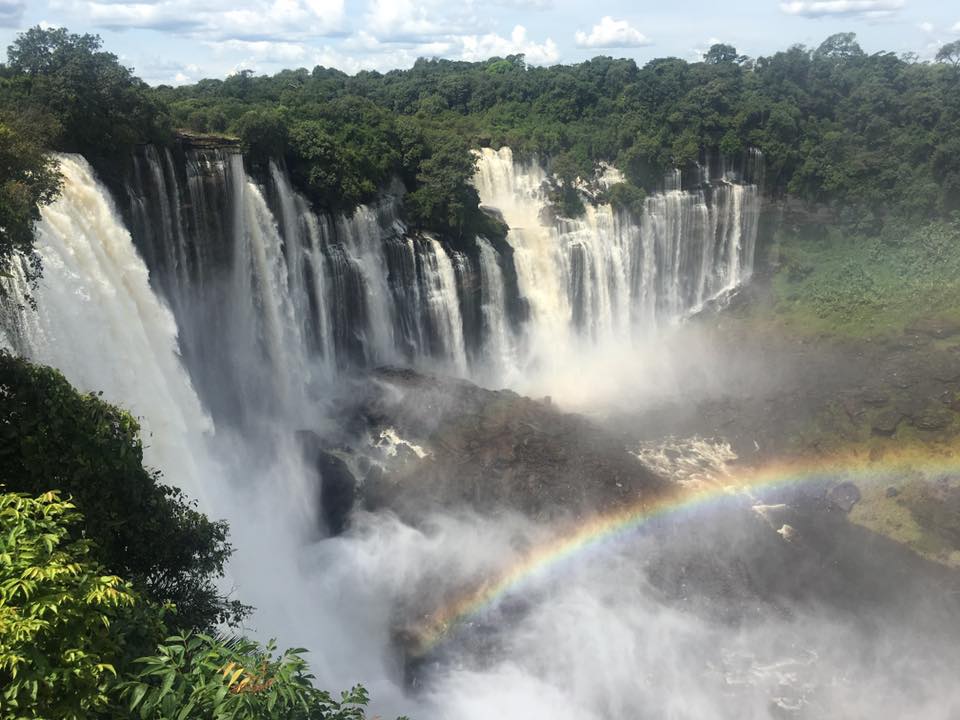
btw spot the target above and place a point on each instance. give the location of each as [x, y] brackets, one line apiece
[199, 676]
[61, 619]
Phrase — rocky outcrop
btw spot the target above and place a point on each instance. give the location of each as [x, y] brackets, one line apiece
[422, 443]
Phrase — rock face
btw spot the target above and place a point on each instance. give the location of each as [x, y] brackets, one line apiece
[419, 443]
[338, 485]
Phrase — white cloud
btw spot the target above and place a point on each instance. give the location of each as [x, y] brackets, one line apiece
[956, 28]
[482, 47]
[363, 41]
[404, 20]
[525, 4]
[610, 33]
[164, 71]
[927, 27]
[263, 51]
[824, 8]
[218, 19]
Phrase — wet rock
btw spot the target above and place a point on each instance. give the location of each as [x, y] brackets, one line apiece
[876, 398]
[945, 369]
[844, 496]
[933, 418]
[935, 327]
[338, 486]
[487, 450]
[892, 492]
[886, 423]
[338, 490]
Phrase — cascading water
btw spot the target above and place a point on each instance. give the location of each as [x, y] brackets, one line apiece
[608, 273]
[98, 320]
[600, 283]
[252, 271]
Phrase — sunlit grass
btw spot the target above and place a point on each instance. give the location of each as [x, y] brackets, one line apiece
[862, 286]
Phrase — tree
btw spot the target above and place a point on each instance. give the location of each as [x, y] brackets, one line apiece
[839, 46]
[52, 437]
[627, 197]
[100, 106]
[263, 133]
[64, 622]
[445, 199]
[29, 179]
[950, 54]
[69, 634]
[721, 53]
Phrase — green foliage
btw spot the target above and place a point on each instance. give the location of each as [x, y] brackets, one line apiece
[64, 622]
[721, 53]
[444, 199]
[627, 197]
[868, 135]
[99, 106]
[29, 179]
[52, 437]
[68, 632]
[869, 284]
[950, 53]
[205, 678]
[262, 132]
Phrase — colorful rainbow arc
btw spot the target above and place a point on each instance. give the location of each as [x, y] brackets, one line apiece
[609, 527]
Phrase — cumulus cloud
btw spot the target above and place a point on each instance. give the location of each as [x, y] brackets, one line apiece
[481, 47]
[956, 28]
[525, 4]
[610, 33]
[219, 19]
[164, 71]
[11, 12]
[264, 51]
[827, 8]
[405, 20]
[927, 27]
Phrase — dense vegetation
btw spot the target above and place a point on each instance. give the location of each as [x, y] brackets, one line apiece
[873, 133]
[54, 438]
[872, 136]
[100, 563]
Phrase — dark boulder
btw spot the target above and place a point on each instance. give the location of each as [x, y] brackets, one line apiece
[338, 486]
[886, 423]
[844, 496]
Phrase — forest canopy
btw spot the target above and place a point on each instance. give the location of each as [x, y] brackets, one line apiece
[871, 135]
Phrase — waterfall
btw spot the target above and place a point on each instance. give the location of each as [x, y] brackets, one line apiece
[496, 330]
[443, 305]
[608, 278]
[100, 323]
[273, 298]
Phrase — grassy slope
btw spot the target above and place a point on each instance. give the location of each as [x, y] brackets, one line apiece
[854, 289]
[859, 286]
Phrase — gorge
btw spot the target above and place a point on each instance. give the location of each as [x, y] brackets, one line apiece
[231, 316]
[591, 391]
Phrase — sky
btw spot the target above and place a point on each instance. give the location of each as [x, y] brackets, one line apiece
[181, 41]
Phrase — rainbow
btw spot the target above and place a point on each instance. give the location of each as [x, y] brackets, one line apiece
[605, 528]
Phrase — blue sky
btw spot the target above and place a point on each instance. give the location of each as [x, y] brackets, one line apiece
[177, 41]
